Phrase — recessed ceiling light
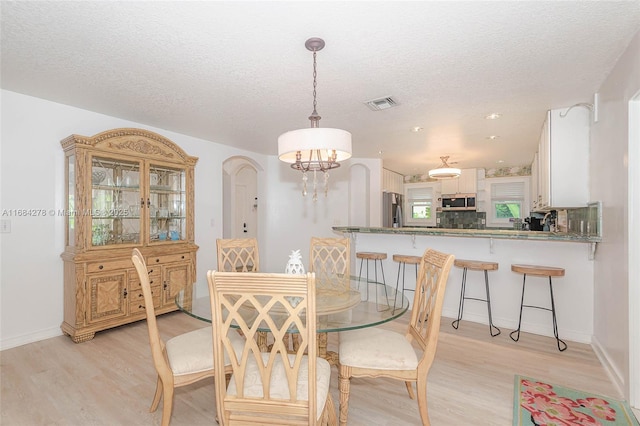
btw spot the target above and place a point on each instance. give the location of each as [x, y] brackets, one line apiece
[416, 129]
[500, 161]
[379, 152]
[493, 116]
[493, 137]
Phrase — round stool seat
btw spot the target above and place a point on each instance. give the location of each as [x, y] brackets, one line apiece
[371, 255]
[476, 265]
[543, 271]
[404, 258]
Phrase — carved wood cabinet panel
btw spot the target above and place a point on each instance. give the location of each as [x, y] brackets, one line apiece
[125, 188]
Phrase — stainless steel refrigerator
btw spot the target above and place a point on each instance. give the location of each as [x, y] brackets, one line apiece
[392, 210]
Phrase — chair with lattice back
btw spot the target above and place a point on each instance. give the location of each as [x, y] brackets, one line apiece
[269, 384]
[330, 260]
[183, 359]
[375, 352]
[238, 255]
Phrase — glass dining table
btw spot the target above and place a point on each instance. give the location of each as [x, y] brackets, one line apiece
[364, 304]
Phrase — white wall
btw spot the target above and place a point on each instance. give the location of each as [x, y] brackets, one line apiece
[609, 184]
[291, 219]
[32, 177]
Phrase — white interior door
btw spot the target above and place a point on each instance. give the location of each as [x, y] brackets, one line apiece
[245, 212]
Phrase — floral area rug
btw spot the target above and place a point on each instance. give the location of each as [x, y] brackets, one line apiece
[539, 403]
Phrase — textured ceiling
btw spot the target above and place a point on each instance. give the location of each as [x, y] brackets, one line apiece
[238, 73]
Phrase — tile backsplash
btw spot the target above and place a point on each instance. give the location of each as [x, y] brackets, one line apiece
[585, 220]
[579, 220]
[461, 220]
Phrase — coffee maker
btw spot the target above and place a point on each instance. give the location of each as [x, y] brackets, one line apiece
[535, 222]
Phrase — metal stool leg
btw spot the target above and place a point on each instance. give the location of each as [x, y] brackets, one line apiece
[367, 279]
[398, 283]
[366, 286]
[555, 322]
[375, 270]
[456, 323]
[520, 319]
[491, 326]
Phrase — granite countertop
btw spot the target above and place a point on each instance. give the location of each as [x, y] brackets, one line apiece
[476, 233]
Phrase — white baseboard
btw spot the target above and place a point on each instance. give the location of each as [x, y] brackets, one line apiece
[24, 339]
[542, 330]
[610, 368]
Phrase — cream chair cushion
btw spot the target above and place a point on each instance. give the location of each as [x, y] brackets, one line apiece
[193, 352]
[377, 349]
[279, 387]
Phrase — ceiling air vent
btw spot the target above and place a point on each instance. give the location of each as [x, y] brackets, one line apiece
[382, 103]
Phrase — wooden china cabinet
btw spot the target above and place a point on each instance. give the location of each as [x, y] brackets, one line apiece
[125, 188]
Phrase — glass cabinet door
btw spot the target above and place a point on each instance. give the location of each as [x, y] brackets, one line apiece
[167, 209]
[71, 202]
[115, 201]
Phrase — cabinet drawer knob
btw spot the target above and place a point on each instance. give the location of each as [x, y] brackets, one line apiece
[183, 256]
[157, 260]
[101, 267]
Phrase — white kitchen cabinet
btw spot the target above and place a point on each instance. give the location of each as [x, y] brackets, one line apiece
[465, 184]
[563, 159]
[533, 189]
[392, 182]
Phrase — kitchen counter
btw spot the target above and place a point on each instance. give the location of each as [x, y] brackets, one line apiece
[475, 233]
[573, 292]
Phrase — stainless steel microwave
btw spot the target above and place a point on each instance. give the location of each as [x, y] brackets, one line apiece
[459, 202]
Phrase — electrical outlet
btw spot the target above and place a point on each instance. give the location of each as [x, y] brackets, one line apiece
[5, 227]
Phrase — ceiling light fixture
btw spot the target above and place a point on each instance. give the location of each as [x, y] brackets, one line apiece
[314, 149]
[493, 137]
[493, 116]
[444, 171]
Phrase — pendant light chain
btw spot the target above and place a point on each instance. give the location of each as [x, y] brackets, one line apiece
[315, 83]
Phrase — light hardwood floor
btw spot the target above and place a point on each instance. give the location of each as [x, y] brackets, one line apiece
[110, 380]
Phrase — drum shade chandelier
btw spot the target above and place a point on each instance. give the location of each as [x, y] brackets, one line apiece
[444, 171]
[314, 149]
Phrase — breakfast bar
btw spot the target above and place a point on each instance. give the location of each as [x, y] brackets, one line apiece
[573, 292]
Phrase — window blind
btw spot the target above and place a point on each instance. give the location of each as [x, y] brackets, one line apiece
[507, 191]
[420, 193]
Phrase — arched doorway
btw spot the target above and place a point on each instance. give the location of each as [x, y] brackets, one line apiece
[240, 198]
[359, 198]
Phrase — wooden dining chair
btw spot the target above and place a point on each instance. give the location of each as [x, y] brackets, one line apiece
[269, 384]
[238, 255]
[374, 352]
[183, 359]
[330, 260]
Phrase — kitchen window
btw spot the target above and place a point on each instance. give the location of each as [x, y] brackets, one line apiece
[420, 209]
[508, 198]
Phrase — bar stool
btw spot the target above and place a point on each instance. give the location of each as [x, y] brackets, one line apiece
[540, 271]
[402, 260]
[377, 257]
[476, 265]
